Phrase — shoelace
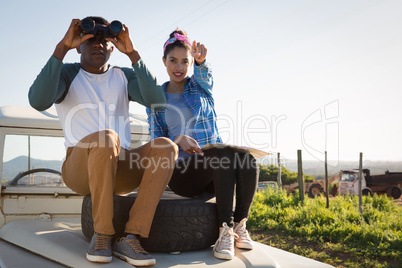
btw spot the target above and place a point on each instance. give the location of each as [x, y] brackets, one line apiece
[102, 241]
[136, 246]
[241, 230]
[224, 238]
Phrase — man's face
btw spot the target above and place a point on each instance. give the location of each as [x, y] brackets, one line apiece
[95, 53]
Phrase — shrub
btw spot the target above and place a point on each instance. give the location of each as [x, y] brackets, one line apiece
[376, 232]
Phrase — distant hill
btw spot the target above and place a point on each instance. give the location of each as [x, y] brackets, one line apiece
[310, 167]
[20, 164]
[317, 168]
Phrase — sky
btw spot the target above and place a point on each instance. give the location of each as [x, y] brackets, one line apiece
[289, 75]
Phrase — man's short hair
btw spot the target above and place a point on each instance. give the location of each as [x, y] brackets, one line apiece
[98, 20]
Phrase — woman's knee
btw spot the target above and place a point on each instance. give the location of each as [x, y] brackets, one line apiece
[245, 162]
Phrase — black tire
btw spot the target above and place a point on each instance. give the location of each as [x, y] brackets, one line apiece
[394, 192]
[315, 190]
[180, 224]
[334, 190]
[367, 192]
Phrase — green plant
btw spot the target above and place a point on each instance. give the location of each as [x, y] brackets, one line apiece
[376, 233]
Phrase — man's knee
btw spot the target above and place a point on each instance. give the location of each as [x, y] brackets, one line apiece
[165, 144]
[108, 138]
[103, 139]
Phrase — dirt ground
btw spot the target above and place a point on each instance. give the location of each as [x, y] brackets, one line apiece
[338, 259]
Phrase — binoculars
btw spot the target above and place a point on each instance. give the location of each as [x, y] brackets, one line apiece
[112, 30]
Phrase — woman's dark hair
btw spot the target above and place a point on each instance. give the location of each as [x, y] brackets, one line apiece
[176, 43]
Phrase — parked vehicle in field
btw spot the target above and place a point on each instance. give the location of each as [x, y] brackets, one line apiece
[313, 188]
[347, 181]
[262, 185]
[41, 222]
[389, 183]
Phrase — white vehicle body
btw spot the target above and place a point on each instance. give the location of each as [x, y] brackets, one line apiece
[40, 218]
[349, 183]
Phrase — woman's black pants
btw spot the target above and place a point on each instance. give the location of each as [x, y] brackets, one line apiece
[220, 171]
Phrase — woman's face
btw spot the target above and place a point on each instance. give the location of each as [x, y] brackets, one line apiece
[177, 63]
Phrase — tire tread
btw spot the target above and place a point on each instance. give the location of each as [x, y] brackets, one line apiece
[178, 225]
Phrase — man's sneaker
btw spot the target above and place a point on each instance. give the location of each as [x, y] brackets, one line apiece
[129, 249]
[224, 246]
[100, 248]
[243, 240]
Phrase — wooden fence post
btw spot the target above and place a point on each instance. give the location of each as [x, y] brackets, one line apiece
[300, 175]
[326, 180]
[360, 182]
[279, 172]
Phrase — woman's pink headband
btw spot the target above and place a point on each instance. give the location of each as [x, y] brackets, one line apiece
[176, 37]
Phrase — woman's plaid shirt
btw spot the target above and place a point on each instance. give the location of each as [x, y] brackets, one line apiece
[197, 96]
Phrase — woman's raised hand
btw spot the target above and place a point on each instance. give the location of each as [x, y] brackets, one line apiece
[199, 52]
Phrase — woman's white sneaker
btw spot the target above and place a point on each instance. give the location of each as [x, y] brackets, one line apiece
[224, 246]
[243, 240]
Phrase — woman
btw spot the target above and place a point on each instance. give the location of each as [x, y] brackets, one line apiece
[189, 119]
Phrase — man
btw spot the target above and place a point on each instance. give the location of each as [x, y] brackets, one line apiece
[92, 102]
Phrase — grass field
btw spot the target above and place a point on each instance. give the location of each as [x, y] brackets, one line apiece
[339, 235]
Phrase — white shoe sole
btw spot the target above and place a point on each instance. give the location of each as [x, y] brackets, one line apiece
[223, 256]
[244, 245]
[148, 262]
[96, 258]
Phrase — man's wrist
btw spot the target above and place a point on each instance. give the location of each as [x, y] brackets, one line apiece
[134, 56]
[60, 51]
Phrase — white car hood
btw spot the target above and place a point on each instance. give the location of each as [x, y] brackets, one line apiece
[62, 241]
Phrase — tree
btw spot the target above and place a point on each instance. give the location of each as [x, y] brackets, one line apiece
[270, 173]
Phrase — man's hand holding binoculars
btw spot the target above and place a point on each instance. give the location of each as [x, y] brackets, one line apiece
[124, 44]
[82, 30]
[72, 39]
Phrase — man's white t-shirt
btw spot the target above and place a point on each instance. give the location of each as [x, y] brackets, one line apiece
[96, 102]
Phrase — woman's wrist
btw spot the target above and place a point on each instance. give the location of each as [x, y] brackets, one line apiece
[178, 139]
[200, 63]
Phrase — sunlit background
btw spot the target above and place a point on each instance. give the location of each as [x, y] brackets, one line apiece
[311, 75]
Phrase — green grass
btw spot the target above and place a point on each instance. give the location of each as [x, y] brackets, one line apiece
[339, 235]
